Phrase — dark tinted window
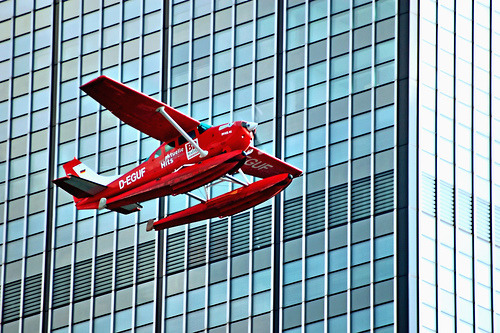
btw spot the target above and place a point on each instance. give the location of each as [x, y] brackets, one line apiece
[182, 140]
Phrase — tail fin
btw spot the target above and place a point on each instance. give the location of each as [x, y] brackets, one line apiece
[78, 169]
[81, 181]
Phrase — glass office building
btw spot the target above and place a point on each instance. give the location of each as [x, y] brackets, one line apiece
[390, 107]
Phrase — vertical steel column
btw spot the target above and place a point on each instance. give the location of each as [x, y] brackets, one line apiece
[278, 152]
[160, 258]
[52, 168]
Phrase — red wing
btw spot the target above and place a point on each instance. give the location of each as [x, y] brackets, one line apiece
[136, 109]
[263, 165]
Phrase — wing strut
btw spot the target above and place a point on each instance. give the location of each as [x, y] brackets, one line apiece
[161, 110]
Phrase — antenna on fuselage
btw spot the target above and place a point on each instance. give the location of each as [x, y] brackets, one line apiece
[161, 110]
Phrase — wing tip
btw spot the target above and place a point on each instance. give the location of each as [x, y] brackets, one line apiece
[85, 87]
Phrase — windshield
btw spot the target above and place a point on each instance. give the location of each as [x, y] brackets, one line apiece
[203, 127]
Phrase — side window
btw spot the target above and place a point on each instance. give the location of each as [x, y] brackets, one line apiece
[169, 146]
[158, 153]
[182, 140]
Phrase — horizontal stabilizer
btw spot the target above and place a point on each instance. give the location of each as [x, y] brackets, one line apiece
[127, 209]
[79, 187]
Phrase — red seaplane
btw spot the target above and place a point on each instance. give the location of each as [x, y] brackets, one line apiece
[192, 155]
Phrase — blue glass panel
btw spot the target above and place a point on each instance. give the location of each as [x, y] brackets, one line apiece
[239, 309]
[317, 30]
[294, 144]
[261, 280]
[261, 303]
[180, 54]
[338, 131]
[239, 286]
[295, 80]
[384, 139]
[337, 324]
[181, 12]
[315, 265]
[337, 281]
[15, 229]
[91, 22]
[315, 288]
[337, 259]
[84, 229]
[112, 15]
[340, 23]
[384, 51]
[174, 305]
[222, 103]
[244, 55]
[71, 28]
[384, 9]
[361, 124]
[265, 47]
[384, 246]
[265, 90]
[131, 8]
[384, 117]
[265, 26]
[361, 80]
[174, 324]
[102, 324]
[292, 272]
[111, 35]
[360, 253]
[222, 61]
[340, 5]
[316, 160]
[243, 97]
[361, 146]
[339, 152]
[22, 44]
[295, 16]
[384, 269]
[217, 293]
[81, 327]
[196, 299]
[362, 15]
[222, 40]
[339, 87]
[317, 9]
[360, 320]
[316, 138]
[244, 33]
[36, 223]
[384, 73]
[316, 95]
[123, 320]
[217, 315]
[130, 70]
[316, 73]
[295, 37]
[151, 63]
[292, 294]
[384, 314]
[362, 58]
[360, 275]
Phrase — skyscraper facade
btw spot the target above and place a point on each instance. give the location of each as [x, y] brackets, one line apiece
[390, 108]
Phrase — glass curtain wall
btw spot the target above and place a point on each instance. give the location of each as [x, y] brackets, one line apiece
[339, 116]
[26, 51]
[458, 163]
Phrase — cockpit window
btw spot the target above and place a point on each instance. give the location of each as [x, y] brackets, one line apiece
[182, 140]
[203, 127]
